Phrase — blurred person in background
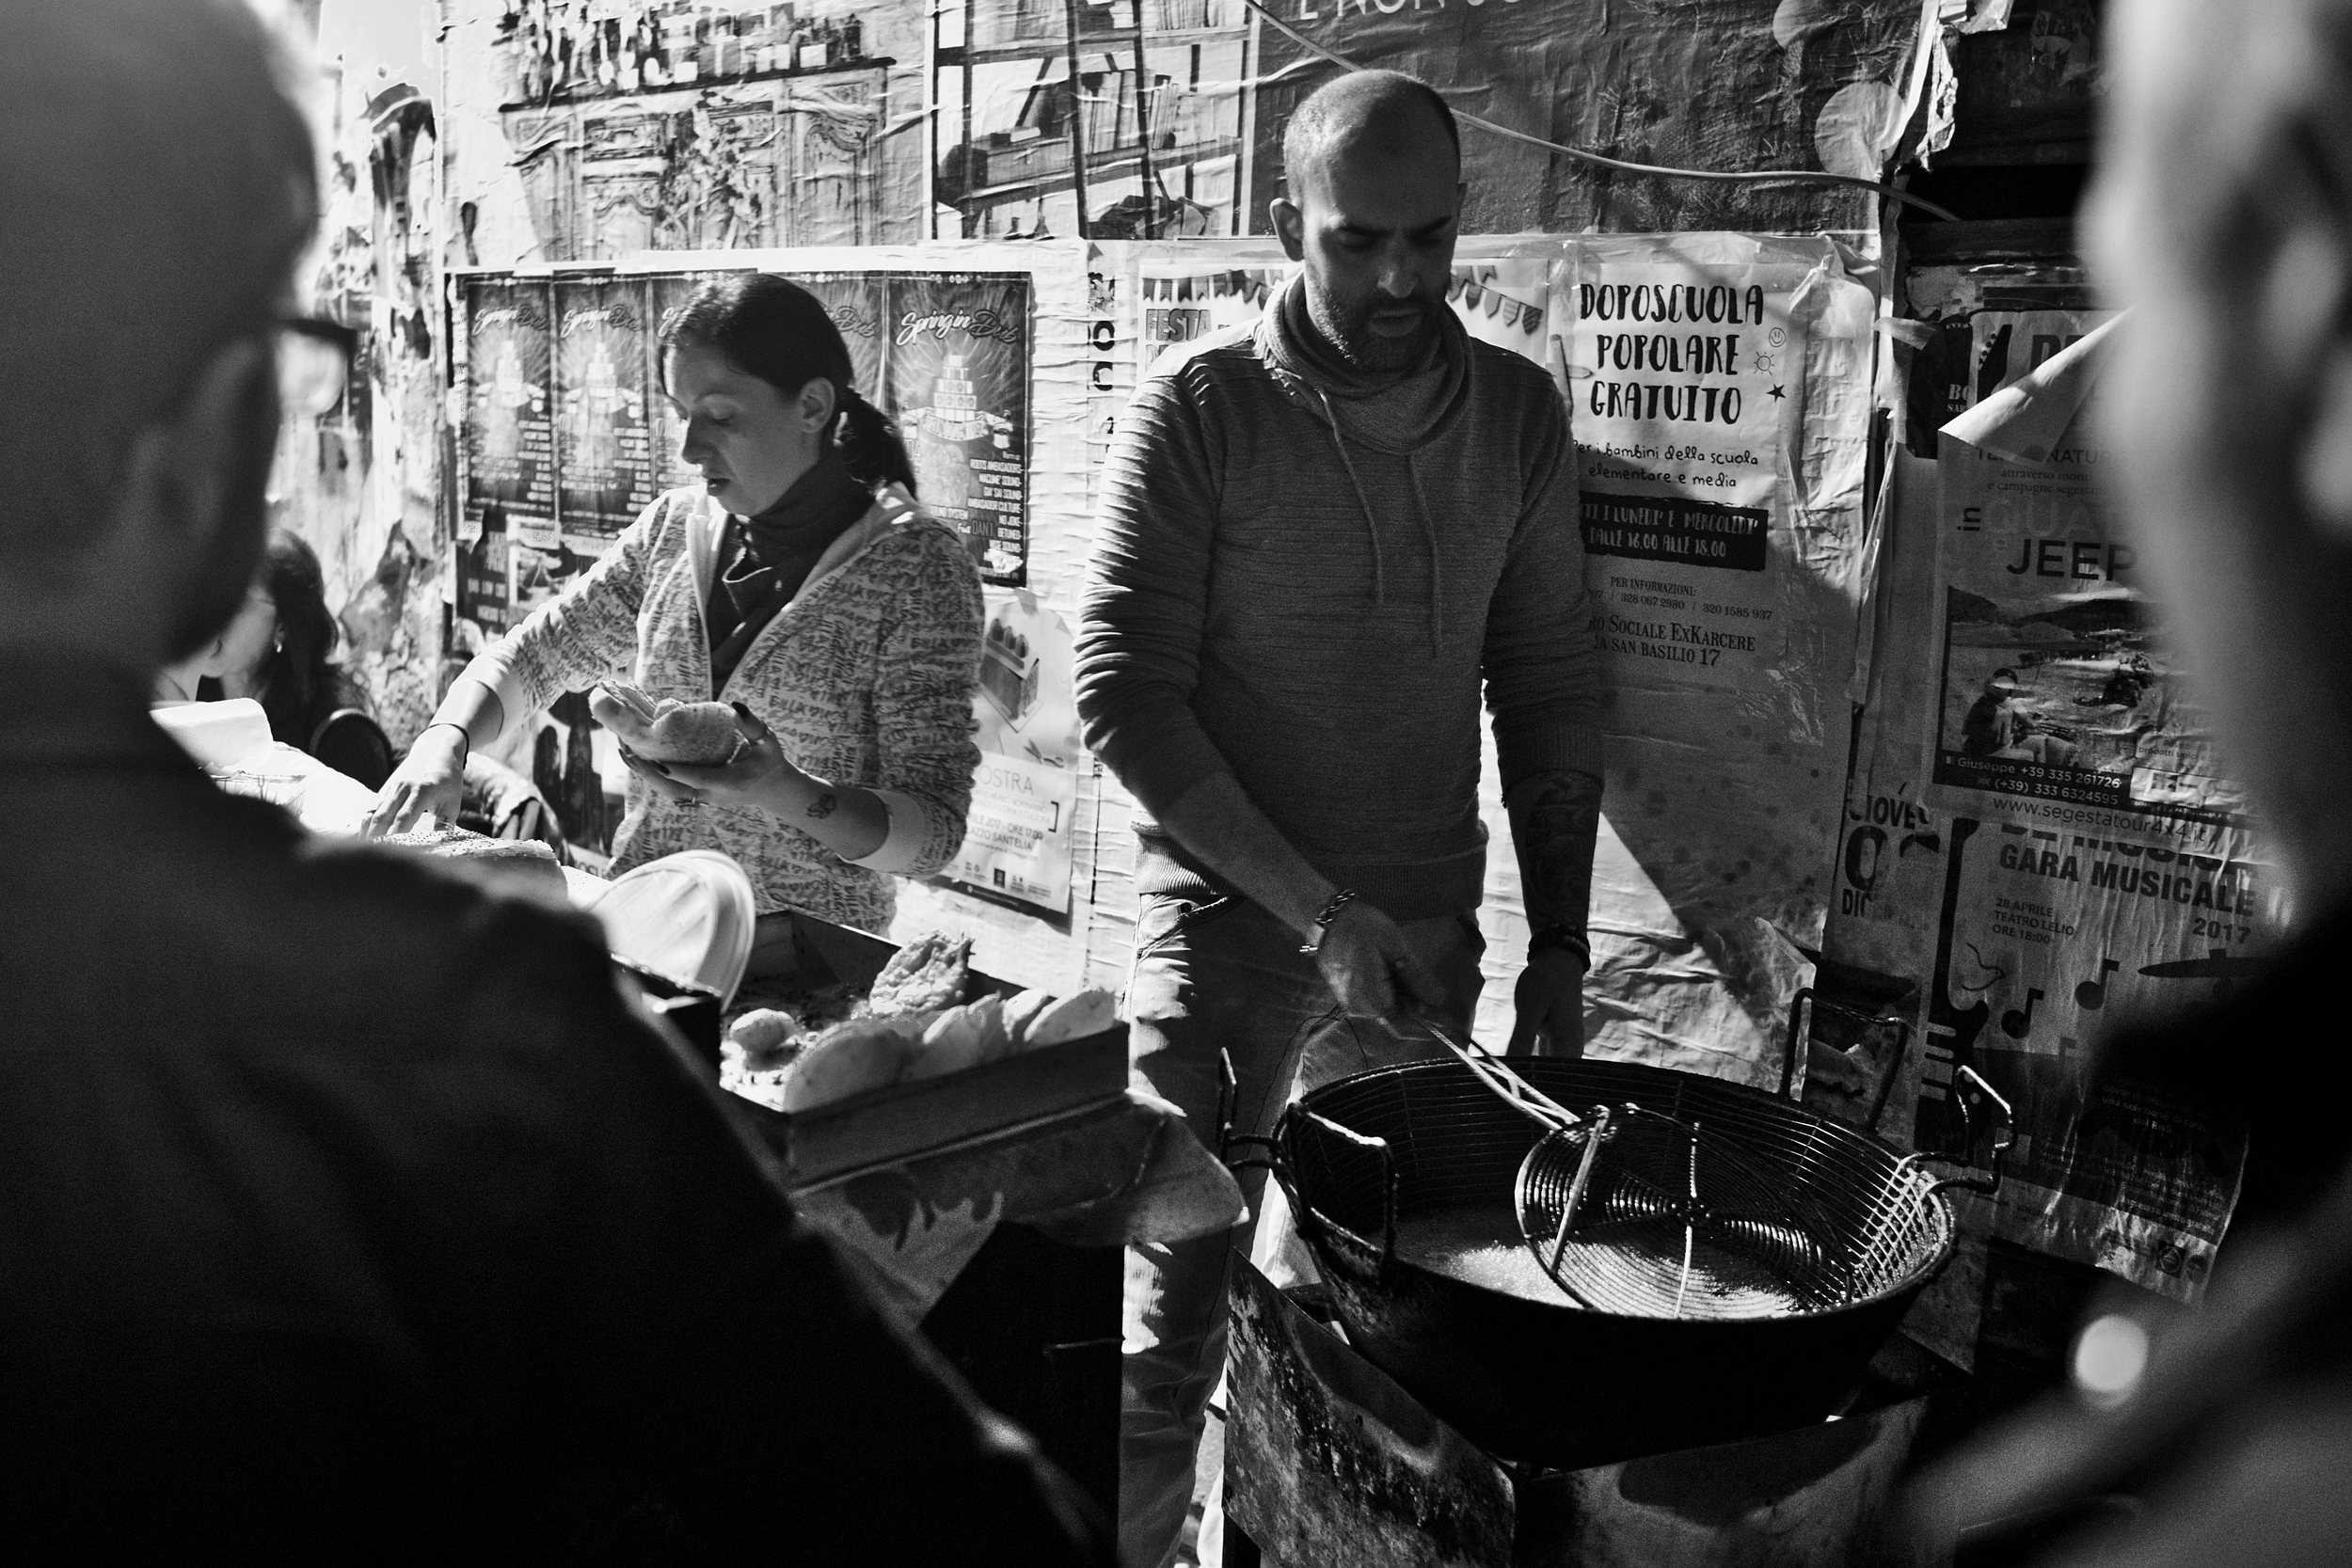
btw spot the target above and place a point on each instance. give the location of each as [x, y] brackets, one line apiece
[275, 651]
[2222, 217]
[352, 1213]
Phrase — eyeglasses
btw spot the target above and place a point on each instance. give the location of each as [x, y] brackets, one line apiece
[313, 365]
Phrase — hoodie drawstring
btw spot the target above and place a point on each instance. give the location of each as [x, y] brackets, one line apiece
[1437, 567]
[1372, 528]
[1363, 501]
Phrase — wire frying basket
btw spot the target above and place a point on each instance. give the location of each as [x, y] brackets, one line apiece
[1739, 1209]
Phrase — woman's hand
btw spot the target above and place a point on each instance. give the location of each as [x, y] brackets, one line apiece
[759, 775]
[849, 821]
[432, 779]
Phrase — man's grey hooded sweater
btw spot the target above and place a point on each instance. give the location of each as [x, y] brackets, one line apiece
[1303, 584]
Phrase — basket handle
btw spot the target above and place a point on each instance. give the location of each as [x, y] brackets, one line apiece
[1967, 1095]
[1801, 1039]
[1302, 1212]
[1227, 1092]
[1799, 1033]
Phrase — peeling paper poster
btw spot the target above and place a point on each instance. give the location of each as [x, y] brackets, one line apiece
[1024, 796]
[1719, 395]
[959, 385]
[510, 445]
[2056, 704]
[2008, 933]
[2045, 936]
[602, 422]
[1688, 378]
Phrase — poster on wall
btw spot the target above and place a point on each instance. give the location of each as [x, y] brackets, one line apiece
[1719, 396]
[2057, 703]
[854, 303]
[1177, 109]
[1182, 305]
[653, 124]
[510, 439]
[1701, 84]
[604, 452]
[2011, 929]
[2045, 936]
[957, 373]
[1024, 795]
[1686, 378]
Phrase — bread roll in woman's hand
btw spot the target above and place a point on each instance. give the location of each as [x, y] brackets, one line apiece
[702, 734]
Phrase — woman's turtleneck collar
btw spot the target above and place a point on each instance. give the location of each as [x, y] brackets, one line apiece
[816, 510]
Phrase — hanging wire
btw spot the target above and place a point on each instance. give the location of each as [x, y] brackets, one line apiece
[1754, 177]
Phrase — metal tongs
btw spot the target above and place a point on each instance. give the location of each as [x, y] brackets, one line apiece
[1556, 1161]
[1495, 1072]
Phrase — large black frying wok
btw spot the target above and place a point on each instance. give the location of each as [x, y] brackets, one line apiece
[1555, 1382]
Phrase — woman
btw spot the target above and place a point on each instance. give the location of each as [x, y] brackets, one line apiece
[799, 582]
[276, 651]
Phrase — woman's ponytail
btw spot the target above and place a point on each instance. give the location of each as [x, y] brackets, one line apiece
[869, 443]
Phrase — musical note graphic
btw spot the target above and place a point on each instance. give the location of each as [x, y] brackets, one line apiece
[2091, 995]
[2015, 1021]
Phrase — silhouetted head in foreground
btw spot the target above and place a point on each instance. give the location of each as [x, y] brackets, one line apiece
[2223, 218]
[156, 188]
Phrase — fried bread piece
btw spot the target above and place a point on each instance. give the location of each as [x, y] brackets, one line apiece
[847, 1059]
[959, 1038]
[925, 975]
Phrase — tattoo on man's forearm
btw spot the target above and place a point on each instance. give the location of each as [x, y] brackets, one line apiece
[1555, 818]
[822, 806]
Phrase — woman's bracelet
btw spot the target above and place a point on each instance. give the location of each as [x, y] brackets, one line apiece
[465, 735]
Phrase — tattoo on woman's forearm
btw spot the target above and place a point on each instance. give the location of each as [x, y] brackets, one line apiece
[1555, 818]
[822, 806]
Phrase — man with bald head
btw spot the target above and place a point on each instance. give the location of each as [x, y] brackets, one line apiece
[1323, 538]
[348, 1212]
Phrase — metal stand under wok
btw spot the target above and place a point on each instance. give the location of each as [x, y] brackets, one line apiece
[1331, 1464]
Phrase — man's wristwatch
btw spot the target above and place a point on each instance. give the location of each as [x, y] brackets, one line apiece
[1331, 912]
[1564, 938]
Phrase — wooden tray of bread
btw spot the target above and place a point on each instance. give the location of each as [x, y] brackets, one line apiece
[933, 1055]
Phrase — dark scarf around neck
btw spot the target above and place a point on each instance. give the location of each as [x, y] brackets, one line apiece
[765, 559]
[819, 508]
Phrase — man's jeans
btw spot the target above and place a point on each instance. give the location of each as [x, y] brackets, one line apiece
[1212, 975]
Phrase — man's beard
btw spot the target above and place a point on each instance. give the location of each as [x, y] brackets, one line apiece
[1348, 329]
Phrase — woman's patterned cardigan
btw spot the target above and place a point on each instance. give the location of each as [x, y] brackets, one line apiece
[865, 677]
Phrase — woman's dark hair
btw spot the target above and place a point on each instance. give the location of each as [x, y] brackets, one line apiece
[772, 329]
[298, 683]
